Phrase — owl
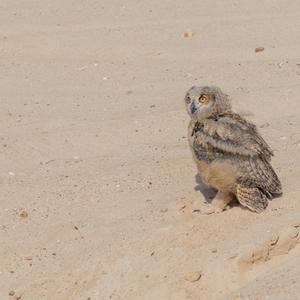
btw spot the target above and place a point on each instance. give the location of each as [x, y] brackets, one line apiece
[230, 154]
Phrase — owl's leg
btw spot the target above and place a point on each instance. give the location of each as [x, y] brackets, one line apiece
[219, 203]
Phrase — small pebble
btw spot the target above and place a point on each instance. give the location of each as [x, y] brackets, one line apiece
[11, 293]
[164, 210]
[214, 250]
[193, 276]
[259, 49]
[11, 173]
[24, 214]
[187, 34]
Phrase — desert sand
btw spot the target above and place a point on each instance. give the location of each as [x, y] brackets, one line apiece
[99, 193]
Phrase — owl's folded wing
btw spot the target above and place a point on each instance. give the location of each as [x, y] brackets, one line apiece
[230, 133]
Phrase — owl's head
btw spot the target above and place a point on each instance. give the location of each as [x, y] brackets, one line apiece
[204, 101]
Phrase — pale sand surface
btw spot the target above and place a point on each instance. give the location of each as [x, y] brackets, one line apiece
[93, 148]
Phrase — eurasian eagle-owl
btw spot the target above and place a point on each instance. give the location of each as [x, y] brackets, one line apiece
[230, 154]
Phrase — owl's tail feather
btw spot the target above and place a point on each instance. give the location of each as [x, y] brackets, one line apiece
[252, 198]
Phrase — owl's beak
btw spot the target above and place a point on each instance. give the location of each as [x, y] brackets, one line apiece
[192, 108]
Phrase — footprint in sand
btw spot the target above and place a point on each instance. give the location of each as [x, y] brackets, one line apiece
[238, 265]
[251, 261]
[275, 244]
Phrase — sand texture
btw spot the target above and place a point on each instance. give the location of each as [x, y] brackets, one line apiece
[99, 194]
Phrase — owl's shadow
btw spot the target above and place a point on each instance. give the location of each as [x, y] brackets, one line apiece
[208, 192]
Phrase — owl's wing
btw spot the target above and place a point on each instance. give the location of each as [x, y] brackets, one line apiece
[230, 133]
[257, 183]
[252, 197]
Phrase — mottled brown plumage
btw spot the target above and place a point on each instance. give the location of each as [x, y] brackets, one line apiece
[230, 154]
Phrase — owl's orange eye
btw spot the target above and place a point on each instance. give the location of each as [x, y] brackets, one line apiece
[203, 99]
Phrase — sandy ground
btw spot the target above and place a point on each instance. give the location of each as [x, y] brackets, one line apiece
[98, 184]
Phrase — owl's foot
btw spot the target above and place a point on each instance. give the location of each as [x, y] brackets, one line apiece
[219, 204]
